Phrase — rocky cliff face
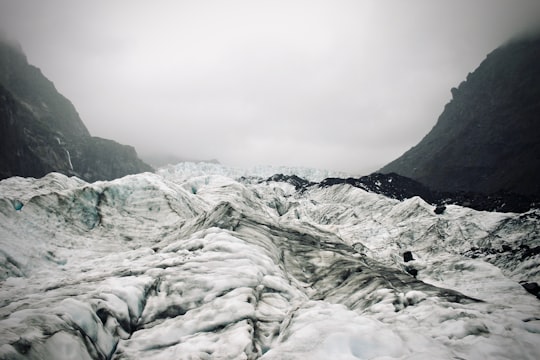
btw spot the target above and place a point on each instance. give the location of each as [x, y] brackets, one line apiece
[488, 137]
[40, 130]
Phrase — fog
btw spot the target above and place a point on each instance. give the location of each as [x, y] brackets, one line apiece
[340, 85]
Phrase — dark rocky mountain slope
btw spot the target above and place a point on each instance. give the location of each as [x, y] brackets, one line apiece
[40, 130]
[401, 188]
[487, 140]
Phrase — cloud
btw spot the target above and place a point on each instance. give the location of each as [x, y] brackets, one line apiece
[345, 85]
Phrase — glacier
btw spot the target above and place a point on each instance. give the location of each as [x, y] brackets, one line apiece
[198, 261]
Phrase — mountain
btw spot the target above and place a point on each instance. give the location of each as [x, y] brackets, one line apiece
[487, 139]
[40, 130]
[190, 263]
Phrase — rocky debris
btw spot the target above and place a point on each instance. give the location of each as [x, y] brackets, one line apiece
[439, 209]
[522, 252]
[411, 270]
[400, 187]
[298, 183]
[532, 288]
[529, 252]
[407, 256]
[392, 185]
[511, 259]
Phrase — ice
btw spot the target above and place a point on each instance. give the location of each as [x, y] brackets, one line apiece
[25, 188]
[186, 170]
[191, 263]
[320, 330]
[61, 346]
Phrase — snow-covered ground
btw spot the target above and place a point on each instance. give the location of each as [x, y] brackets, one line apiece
[187, 170]
[190, 263]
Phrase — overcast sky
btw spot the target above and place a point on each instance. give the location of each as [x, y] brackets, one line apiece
[341, 85]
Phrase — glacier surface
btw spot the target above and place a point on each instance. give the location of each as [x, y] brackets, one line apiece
[193, 263]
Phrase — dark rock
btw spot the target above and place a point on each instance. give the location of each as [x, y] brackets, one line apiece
[506, 248]
[532, 288]
[487, 139]
[412, 271]
[439, 209]
[407, 256]
[392, 185]
[400, 187]
[298, 183]
[41, 132]
[530, 252]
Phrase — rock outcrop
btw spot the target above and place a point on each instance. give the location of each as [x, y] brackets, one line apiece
[487, 140]
[400, 187]
[40, 130]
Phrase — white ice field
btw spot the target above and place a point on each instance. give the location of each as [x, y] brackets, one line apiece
[190, 263]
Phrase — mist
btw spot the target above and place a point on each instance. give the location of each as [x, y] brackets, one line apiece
[339, 85]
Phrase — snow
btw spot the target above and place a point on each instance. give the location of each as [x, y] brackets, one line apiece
[186, 170]
[192, 263]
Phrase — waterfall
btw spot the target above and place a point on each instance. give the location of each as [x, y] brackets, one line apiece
[69, 160]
